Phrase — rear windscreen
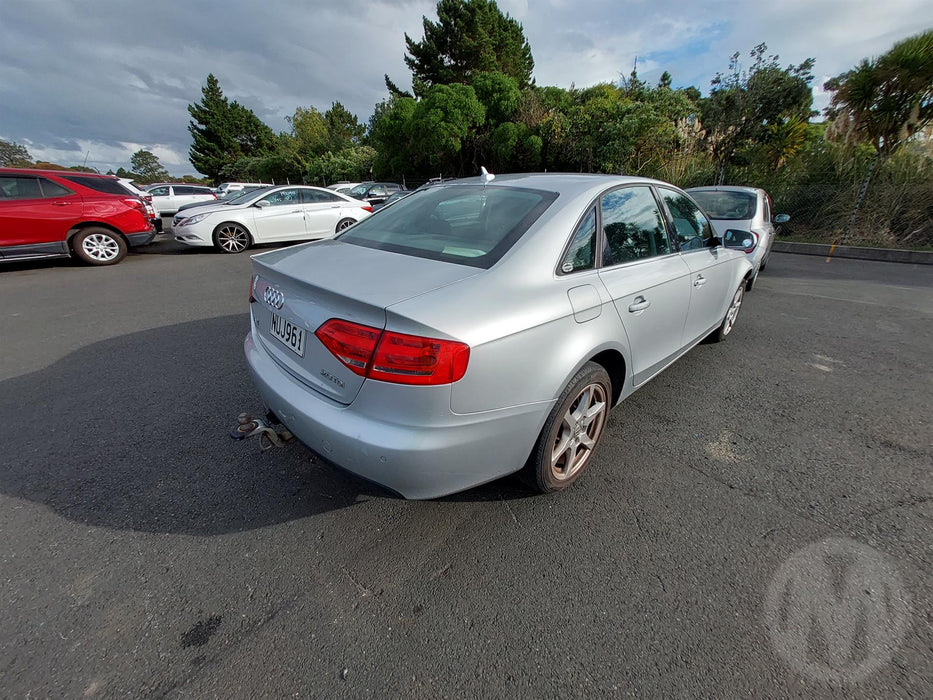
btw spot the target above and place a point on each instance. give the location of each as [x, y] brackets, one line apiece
[727, 205]
[101, 184]
[465, 224]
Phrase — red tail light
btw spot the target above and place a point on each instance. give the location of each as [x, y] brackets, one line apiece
[394, 357]
[749, 249]
[368, 207]
[350, 343]
[136, 203]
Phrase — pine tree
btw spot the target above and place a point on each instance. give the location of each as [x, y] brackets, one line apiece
[224, 131]
[470, 36]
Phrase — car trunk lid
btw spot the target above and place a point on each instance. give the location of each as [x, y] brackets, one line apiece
[298, 290]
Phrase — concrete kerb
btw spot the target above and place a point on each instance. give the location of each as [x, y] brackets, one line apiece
[916, 257]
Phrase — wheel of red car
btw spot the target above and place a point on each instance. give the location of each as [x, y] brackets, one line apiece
[572, 430]
[99, 246]
[232, 238]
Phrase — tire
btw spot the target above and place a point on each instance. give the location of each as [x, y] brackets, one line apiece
[344, 223]
[231, 237]
[751, 280]
[732, 313]
[764, 263]
[571, 433]
[96, 245]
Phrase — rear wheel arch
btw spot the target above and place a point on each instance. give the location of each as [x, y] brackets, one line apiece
[614, 363]
[75, 230]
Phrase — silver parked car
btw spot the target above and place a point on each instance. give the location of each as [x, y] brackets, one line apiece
[742, 209]
[476, 327]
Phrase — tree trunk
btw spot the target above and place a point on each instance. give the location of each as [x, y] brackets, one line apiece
[861, 197]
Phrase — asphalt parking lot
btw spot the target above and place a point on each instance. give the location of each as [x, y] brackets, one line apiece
[143, 552]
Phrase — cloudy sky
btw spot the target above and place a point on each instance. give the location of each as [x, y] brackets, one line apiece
[104, 78]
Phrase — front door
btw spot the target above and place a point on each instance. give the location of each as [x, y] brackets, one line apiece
[35, 210]
[710, 271]
[281, 218]
[648, 282]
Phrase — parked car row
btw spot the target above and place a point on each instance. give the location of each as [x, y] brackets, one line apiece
[96, 217]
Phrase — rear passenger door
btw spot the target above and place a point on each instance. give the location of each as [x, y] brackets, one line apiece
[710, 271]
[322, 211]
[648, 281]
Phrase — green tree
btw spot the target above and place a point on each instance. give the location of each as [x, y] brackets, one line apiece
[744, 103]
[470, 36]
[442, 124]
[14, 155]
[343, 128]
[147, 166]
[883, 102]
[224, 131]
[390, 133]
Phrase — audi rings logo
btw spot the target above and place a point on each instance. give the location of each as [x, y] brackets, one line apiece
[273, 297]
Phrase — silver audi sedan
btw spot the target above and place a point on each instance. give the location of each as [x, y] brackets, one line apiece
[482, 326]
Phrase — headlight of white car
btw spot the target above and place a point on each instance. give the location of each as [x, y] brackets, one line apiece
[197, 218]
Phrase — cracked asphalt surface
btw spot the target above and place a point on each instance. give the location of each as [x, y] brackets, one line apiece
[143, 552]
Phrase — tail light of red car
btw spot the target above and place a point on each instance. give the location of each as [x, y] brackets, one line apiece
[394, 357]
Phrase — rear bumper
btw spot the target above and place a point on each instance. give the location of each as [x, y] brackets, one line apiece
[456, 452]
[142, 238]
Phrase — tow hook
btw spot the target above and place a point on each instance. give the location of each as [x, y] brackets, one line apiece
[269, 437]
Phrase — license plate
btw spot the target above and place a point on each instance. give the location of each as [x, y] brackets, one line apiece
[290, 335]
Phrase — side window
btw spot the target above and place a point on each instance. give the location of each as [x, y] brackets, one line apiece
[378, 191]
[19, 187]
[159, 191]
[53, 189]
[283, 197]
[316, 197]
[691, 226]
[581, 253]
[633, 226]
[766, 208]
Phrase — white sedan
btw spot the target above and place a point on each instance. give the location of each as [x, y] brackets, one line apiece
[268, 215]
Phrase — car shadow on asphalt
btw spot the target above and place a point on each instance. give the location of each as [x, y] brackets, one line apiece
[133, 433]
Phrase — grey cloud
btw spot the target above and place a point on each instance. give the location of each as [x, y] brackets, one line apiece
[113, 72]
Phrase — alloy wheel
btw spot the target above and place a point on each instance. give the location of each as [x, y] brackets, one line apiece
[579, 431]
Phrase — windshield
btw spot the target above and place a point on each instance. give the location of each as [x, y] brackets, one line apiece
[723, 204]
[359, 189]
[465, 224]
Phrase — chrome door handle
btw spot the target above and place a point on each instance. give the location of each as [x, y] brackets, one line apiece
[640, 304]
[296, 211]
[700, 280]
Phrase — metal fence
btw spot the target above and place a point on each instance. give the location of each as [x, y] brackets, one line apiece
[895, 211]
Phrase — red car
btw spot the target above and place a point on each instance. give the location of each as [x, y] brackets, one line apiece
[52, 213]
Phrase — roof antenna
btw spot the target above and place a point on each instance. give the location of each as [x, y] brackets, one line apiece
[486, 176]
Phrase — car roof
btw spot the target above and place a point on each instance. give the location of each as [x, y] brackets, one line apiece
[569, 184]
[60, 173]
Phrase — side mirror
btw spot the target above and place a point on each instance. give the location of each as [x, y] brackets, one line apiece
[740, 240]
[781, 218]
[262, 204]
